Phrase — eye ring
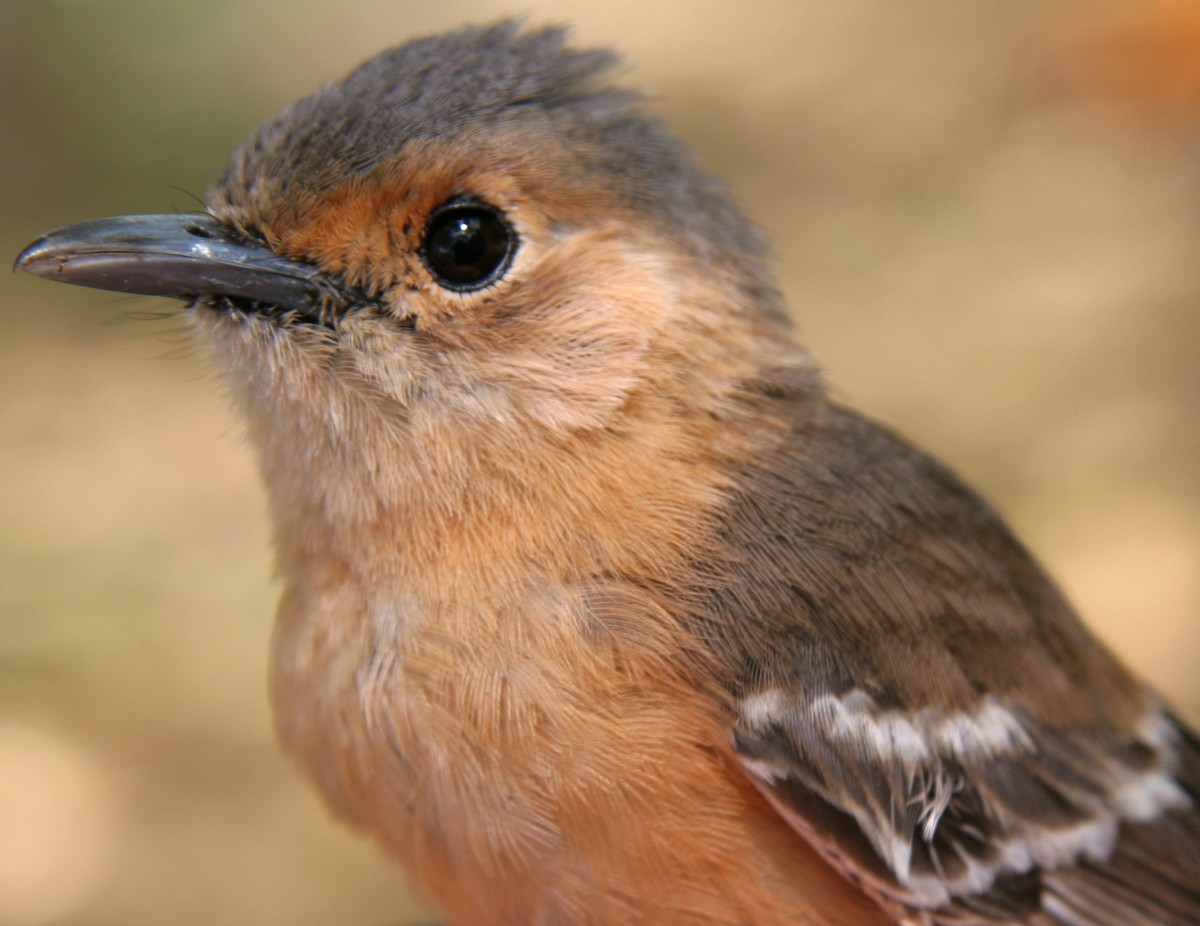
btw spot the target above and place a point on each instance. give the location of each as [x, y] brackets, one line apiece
[467, 244]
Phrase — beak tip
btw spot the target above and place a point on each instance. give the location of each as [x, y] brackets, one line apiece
[27, 256]
[43, 257]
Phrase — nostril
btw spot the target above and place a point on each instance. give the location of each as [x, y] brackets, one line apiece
[195, 228]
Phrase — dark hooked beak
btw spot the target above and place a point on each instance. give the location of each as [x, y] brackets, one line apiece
[185, 256]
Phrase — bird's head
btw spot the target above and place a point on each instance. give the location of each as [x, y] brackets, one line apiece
[470, 273]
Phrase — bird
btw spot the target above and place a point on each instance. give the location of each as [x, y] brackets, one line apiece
[596, 607]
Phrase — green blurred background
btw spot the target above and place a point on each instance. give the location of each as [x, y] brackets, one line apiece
[986, 217]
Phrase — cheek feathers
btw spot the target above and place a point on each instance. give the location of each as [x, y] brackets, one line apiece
[569, 344]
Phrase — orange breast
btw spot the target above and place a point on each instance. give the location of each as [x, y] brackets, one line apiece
[541, 761]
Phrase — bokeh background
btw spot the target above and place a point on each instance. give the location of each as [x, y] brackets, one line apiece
[987, 220]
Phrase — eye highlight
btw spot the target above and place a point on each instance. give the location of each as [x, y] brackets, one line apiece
[468, 244]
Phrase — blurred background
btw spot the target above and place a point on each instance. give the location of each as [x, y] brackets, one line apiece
[986, 218]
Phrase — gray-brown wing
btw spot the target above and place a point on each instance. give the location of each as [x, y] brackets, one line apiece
[918, 700]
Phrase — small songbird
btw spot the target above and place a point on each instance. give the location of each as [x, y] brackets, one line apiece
[597, 609]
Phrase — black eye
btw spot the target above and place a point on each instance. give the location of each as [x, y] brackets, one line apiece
[467, 244]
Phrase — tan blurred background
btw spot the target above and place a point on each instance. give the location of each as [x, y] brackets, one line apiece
[987, 219]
